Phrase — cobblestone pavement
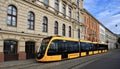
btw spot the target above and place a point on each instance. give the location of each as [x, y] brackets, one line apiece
[66, 64]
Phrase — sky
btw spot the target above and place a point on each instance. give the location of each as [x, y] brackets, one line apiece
[105, 11]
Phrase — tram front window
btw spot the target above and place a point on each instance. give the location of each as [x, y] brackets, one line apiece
[41, 50]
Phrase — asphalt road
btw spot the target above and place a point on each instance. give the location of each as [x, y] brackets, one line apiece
[111, 61]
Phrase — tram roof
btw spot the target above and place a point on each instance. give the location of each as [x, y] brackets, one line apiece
[95, 42]
[85, 41]
[64, 38]
[71, 39]
[103, 43]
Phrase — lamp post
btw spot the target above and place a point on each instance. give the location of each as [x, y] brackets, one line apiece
[79, 37]
[117, 37]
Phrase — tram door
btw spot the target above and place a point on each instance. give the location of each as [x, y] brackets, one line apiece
[64, 50]
[64, 55]
[30, 50]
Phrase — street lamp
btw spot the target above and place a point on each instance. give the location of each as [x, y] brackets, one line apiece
[81, 25]
[79, 38]
[117, 29]
[117, 36]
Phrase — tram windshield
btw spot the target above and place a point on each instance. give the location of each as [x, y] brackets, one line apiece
[41, 50]
[43, 46]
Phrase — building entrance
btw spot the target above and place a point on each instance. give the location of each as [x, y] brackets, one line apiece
[30, 49]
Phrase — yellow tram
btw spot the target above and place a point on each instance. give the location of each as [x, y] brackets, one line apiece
[55, 48]
[103, 47]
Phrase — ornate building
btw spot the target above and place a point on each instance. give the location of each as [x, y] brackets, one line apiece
[23, 24]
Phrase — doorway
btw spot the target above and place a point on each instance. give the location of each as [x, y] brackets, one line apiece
[30, 49]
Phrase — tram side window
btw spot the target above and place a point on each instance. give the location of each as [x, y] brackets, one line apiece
[68, 46]
[95, 47]
[91, 46]
[86, 46]
[62, 47]
[101, 47]
[83, 46]
[53, 49]
[75, 47]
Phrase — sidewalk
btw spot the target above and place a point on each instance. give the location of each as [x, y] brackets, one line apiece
[16, 62]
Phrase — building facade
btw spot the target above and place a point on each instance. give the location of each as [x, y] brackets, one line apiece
[97, 32]
[111, 39]
[24, 23]
[91, 27]
[102, 33]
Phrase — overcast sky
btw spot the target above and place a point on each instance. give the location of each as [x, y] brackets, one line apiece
[105, 11]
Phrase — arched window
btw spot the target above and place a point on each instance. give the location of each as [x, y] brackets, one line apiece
[56, 28]
[12, 16]
[69, 31]
[45, 24]
[79, 33]
[63, 30]
[31, 20]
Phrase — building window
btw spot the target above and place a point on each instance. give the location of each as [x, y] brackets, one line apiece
[69, 31]
[45, 24]
[57, 5]
[64, 9]
[63, 30]
[12, 16]
[85, 19]
[77, 3]
[56, 28]
[79, 33]
[70, 12]
[10, 47]
[78, 16]
[31, 20]
[46, 2]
